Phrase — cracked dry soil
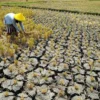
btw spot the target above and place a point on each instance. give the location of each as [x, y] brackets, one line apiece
[64, 67]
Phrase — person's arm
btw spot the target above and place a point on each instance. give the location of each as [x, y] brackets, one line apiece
[22, 27]
[17, 29]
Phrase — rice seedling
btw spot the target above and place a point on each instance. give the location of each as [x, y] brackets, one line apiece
[78, 68]
[44, 90]
[14, 82]
[61, 93]
[23, 40]
[91, 89]
[35, 74]
[2, 50]
[64, 74]
[4, 60]
[16, 62]
[46, 35]
[22, 98]
[11, 52]
[11, 68]
[30, 43]
[92, 79]
[21, 71]
[15, 46]
[6, 93]
[46, 78]
[61, 82]
[30, 85]
[26, 66]
[76, 87]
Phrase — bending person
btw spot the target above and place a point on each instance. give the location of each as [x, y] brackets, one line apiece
[11, 20]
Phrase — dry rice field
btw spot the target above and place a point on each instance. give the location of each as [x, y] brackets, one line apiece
[58, 58]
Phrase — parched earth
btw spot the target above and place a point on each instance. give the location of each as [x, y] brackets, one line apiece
[64, 67]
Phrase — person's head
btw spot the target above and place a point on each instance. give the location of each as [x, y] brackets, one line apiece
[16, 21]
[19, 17]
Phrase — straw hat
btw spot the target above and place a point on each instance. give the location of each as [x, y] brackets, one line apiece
[19, 17]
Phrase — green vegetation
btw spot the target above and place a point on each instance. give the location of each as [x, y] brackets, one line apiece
[34, 32]
[91, 6]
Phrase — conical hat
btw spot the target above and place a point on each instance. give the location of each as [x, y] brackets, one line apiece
[19, 17]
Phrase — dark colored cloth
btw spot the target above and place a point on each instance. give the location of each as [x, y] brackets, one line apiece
[11, 30]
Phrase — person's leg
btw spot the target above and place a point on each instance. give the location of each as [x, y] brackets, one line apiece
[14, 31]
[8, 29]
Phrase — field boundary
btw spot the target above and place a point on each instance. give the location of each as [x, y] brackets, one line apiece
[59, 10]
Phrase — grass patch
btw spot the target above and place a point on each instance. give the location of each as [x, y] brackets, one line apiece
[90, 6]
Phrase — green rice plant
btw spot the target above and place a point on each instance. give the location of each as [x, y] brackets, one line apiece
[2, 50]
[15, 47]
[30, 42]
[11, 68]
[61, 82]
[21, 71]
[15, 82]
[6, 93]
[23, 40]
[91, 89]
[22, 97]
[16, 62]
[44, 90]
[76, 87]
[92, 79]
[4, 59]
[30, 85]
[11, 52]
[61, 93]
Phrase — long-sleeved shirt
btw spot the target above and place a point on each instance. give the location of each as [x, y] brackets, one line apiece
[9, 19]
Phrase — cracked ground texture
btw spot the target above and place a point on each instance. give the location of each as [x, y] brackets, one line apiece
[64, 67]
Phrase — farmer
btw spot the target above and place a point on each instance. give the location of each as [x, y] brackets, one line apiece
[11, 20]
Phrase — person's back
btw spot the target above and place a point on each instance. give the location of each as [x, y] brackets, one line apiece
[9, 18]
